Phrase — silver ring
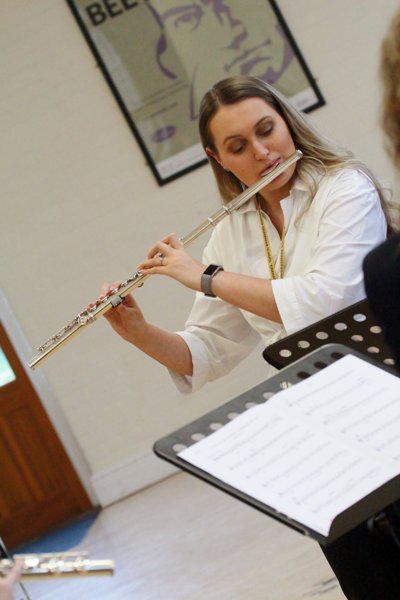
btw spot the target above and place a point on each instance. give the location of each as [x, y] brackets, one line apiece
[161, 256]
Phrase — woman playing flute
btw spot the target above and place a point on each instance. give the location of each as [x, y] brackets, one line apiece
[289, 257]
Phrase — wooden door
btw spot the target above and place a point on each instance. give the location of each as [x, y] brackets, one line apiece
[39, 488]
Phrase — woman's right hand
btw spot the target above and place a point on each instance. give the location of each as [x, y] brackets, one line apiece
[126, 318]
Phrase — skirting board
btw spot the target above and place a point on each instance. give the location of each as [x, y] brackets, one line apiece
[130, 476]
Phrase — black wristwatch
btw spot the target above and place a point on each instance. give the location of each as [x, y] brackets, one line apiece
[206, 279]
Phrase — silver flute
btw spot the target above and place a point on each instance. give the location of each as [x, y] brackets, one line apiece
[116, 295]
[57, 564]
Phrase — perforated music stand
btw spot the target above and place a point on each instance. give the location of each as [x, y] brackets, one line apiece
[168, 447]
[355, 327]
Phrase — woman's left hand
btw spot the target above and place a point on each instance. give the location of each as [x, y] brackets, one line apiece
[168, 257]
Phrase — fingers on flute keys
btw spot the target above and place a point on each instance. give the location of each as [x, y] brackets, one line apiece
[106, 291]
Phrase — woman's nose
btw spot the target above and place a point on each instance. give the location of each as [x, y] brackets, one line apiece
[260, 151]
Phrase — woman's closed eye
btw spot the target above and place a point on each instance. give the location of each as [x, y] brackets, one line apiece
[265, 131]
[238, 148]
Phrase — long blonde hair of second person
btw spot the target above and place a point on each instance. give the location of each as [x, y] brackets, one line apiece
[390, 76]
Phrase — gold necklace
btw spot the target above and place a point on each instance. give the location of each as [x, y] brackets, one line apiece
[267, 246]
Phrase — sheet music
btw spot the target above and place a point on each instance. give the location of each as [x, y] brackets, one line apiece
[315, 449]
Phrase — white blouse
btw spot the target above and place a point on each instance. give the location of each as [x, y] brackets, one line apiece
[324, 249]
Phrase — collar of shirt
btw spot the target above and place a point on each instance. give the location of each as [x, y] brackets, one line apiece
[296, 192]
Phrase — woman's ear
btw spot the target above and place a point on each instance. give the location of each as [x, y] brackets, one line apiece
[213, 155]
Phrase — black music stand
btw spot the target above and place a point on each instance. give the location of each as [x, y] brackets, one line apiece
[355, 327]
[168, 447]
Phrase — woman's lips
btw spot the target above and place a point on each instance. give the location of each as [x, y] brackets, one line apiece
[270, 166]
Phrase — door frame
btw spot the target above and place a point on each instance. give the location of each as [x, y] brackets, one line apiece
[47, 397]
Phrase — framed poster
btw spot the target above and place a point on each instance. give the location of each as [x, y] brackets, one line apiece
[160, 57]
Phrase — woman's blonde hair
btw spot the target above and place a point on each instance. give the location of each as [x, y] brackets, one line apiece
[320, 155]
[390, 76]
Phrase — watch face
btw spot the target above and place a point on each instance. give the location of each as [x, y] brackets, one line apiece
[210, 269]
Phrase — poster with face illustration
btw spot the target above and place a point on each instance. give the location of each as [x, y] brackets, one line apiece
[161, 56]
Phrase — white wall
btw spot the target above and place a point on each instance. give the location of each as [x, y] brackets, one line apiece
[79, 206]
